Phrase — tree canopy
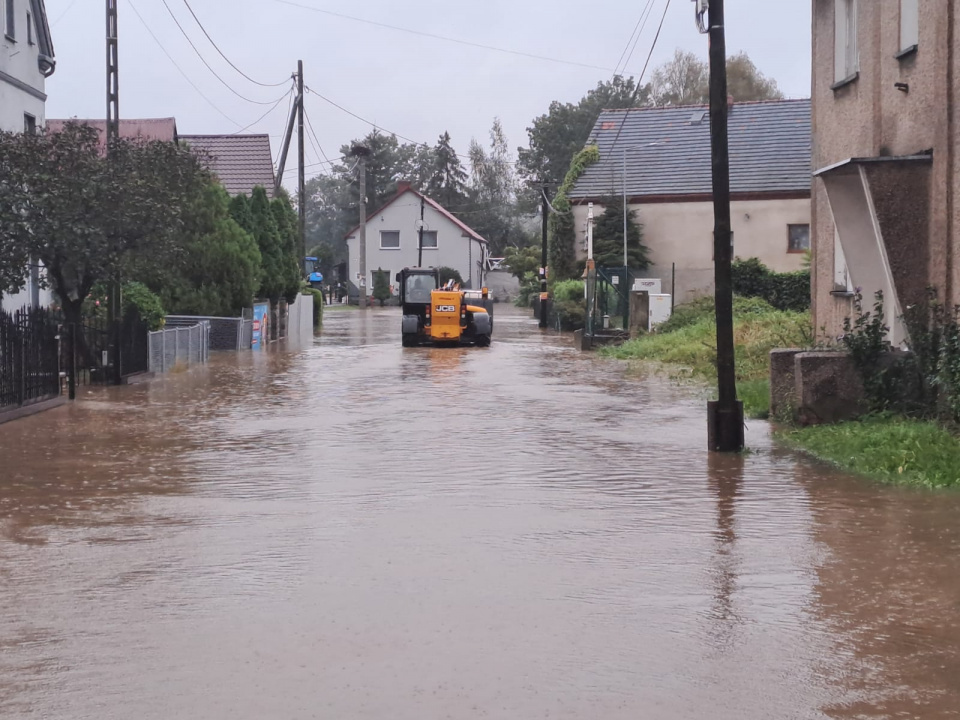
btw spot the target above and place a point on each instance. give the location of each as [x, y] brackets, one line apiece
[88, 215]
[685, 80]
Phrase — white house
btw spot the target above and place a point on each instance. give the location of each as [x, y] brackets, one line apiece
[26, 61]
[659, 158]
[393, 237]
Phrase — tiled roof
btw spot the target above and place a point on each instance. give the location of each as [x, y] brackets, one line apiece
[467, 230]
[241, 162]
[668, 151]
[150, 129]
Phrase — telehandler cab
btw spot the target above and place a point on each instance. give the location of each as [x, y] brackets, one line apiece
[441, 315]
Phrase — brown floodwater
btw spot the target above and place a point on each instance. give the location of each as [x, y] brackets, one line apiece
[357, 530]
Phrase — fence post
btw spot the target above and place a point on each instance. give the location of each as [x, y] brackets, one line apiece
[189, 346]
[22, 327]
[163, 351]
[176, 346]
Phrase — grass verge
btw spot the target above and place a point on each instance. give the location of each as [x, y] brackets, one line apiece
[688, 342]
[890, 449]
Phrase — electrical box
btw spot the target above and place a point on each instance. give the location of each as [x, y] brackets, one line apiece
[650, 285]
[660, 309]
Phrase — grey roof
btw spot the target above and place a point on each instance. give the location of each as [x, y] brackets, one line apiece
[241, 162]
[668, 151]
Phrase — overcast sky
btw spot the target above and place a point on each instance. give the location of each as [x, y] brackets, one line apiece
[409, 84]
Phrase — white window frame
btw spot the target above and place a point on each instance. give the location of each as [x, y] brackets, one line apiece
[909, 25]
[846, 51]
[436, 240]
[391, 247]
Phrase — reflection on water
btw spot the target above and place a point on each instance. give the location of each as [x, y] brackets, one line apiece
[359, 530]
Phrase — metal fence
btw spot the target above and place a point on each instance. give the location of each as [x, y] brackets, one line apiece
[179, 345]
[226, 333]
[29, 357]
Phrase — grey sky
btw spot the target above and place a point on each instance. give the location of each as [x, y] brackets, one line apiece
[408, 84]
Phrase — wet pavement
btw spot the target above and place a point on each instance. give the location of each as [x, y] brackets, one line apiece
[356, 530]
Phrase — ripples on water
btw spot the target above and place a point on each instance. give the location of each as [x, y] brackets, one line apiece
[354, 529]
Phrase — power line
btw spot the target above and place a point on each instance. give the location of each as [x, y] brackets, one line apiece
[204, 61]
[643, 72]
[62, 15]
[630, 40]
[217, 48]
[639, 35]
[314, 132]
[289, 92]
[376, 126]
[180, 69]
[435, 36]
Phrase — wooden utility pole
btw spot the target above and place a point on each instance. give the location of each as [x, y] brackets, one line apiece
[113, 135]
[420, 237]
[725, 416]
[545, 217]
[361, 153]
[301, 177]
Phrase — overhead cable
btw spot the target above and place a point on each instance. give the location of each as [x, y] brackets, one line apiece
[262, 117]
[631, 39]
[217, 48]
[435, 36]
[208, 66]
[180, 69]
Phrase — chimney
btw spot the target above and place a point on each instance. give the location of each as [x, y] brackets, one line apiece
[402, 186]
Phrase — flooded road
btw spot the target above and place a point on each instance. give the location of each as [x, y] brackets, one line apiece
[356, 530]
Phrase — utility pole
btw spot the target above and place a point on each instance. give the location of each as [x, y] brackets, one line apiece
[301, 181]
[625, 212]
[590, 275]
[113, 135]
[361, 153]
[725, 416]
[420, 237]
[545, 217]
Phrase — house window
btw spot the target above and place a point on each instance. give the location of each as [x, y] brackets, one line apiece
[10, 28]
[798, 238]
[909, 24]
[29, 124]
[29, 29]
[846, 57]
[389, 239]
[430, 239]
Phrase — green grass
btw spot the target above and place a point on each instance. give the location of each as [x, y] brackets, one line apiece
[688, 343]
[890, 449]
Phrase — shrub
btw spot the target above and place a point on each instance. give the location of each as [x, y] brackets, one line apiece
[568, 304]
[703, 309]
[447, 274]
[784, 291]
[381, 285]
[138, 299]
[318, 302]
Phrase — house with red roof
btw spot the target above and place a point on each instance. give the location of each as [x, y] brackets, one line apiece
[393, 240]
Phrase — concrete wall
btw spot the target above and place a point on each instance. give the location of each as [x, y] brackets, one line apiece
[870, 117]
[682, 233]
[453, 248]
[18, 67]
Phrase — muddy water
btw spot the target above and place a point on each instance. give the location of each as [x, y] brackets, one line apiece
[355, 530]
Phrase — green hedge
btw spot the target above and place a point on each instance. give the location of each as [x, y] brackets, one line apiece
[318, 302]
[138, 299]
[785, 291]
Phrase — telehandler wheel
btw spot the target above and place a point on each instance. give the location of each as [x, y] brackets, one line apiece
[483, 341]
[409, 340]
